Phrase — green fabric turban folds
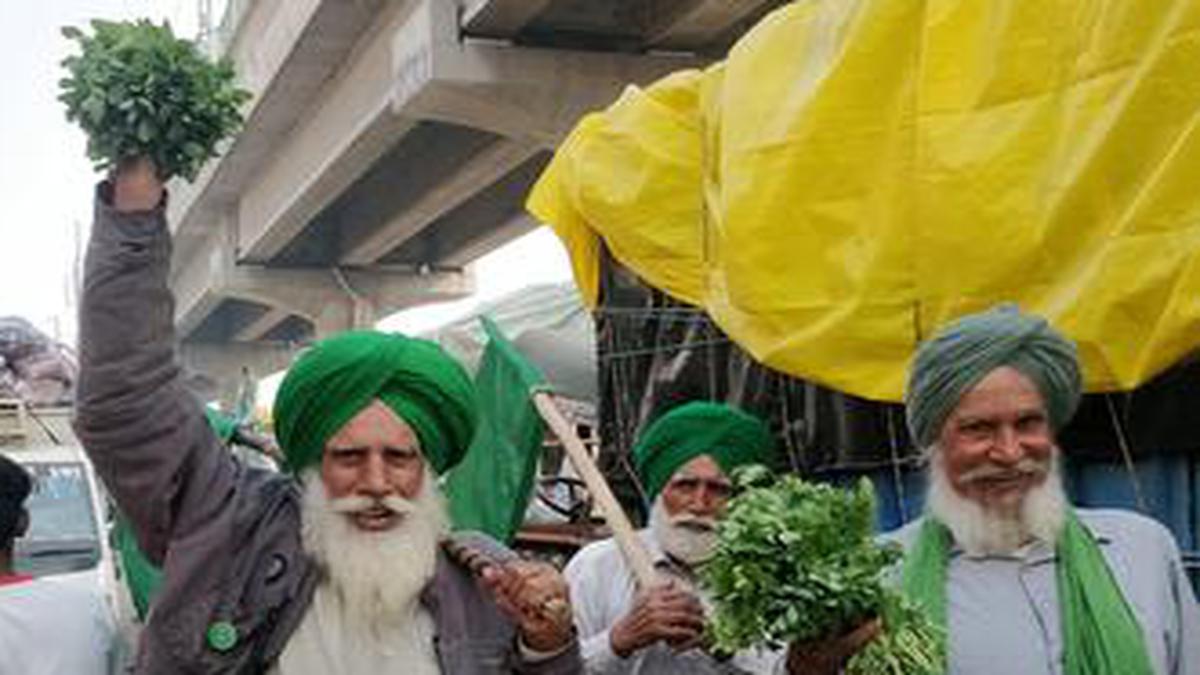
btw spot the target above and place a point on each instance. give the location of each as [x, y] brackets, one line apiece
[339, 376]
[966, 351]
[726, 434]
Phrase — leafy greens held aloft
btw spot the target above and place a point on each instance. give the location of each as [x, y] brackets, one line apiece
[137, 90]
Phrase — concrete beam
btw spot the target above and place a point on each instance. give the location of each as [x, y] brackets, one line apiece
[368, 295]
[261, 358]
[529, 95]
[493, 239]
[414, 67]
[192, 278]
[349, 127]
[293, 192]
[317, 295]
[694, 24]
[262, 325]
[214, 274]
[500, 18]
[283, 53]
[389, 290]
[488, 167]
[218, 367]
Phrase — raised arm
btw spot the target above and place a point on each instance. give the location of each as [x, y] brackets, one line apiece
[144, 432]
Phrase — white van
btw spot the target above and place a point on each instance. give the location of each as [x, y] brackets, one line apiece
[68, 535]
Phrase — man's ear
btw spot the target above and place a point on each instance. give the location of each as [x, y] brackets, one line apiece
[22, 524]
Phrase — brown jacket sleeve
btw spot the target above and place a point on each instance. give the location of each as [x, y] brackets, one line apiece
[144, 432]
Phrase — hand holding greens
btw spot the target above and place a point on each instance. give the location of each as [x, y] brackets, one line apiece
[797, 563]
[137, 90]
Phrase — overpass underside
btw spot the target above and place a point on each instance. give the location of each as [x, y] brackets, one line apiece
[390, 143]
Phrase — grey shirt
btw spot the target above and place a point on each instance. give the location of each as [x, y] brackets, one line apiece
[1003, 613]
[237, 581]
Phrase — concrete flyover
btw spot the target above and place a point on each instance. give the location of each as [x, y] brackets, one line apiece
[390, 143]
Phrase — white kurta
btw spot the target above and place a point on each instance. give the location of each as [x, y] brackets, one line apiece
[324, 644]
[602, 591]
[51, 627]
[1003, 613]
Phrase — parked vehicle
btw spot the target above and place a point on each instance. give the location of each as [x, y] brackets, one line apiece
[69, 517]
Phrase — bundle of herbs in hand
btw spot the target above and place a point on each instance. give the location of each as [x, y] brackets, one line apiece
[797, 563]
[138, 91]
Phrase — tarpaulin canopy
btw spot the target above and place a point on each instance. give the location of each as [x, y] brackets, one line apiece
[858, 172]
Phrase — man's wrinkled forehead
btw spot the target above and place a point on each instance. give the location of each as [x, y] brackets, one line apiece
[375, 419]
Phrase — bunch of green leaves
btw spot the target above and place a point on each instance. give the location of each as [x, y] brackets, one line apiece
[909, 644]
[137, 90]
[798, 562]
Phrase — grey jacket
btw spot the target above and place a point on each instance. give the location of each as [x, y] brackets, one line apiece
[227, 537]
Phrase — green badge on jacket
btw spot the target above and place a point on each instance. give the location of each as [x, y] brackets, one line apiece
[221, 635]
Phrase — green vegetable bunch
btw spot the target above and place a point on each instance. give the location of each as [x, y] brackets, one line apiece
[137, 90]
[797, 562]
[908, 645]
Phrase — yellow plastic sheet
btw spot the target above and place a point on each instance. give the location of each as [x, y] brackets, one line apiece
[858, 172]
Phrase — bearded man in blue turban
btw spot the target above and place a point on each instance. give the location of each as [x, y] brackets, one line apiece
[334, 566]
[1023, 582]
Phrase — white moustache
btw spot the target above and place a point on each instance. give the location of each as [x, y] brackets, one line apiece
[357, 504]
[1025, 467]
[695, 523]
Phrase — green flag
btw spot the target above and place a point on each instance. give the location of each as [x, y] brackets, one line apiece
[142, 578]
[490, 489]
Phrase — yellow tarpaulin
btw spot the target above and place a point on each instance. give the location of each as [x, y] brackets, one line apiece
[858, 172]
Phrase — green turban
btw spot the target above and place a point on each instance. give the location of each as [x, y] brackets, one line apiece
[964, 352]
[726, 434]
[339, 376]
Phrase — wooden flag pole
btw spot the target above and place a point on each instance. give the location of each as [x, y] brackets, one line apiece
[627, 540]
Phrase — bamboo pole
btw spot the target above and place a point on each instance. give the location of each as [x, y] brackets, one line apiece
[631, 547]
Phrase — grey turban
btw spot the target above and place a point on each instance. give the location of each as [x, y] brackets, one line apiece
[964, 352]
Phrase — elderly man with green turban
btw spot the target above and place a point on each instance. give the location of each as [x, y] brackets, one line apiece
[336, 565]
[1023, 582]
[683, 459]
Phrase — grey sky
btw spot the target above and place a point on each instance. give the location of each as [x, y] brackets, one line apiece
[46, 179]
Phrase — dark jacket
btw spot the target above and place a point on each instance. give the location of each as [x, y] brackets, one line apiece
[226, 536]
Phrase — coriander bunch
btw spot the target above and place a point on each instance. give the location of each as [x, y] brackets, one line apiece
[798, 562]
[137, 90]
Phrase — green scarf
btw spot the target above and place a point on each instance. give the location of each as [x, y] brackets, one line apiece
[1101, 635]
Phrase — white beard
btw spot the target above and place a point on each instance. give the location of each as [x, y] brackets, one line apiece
[689, 539]
[981, 531]
[376, 577]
